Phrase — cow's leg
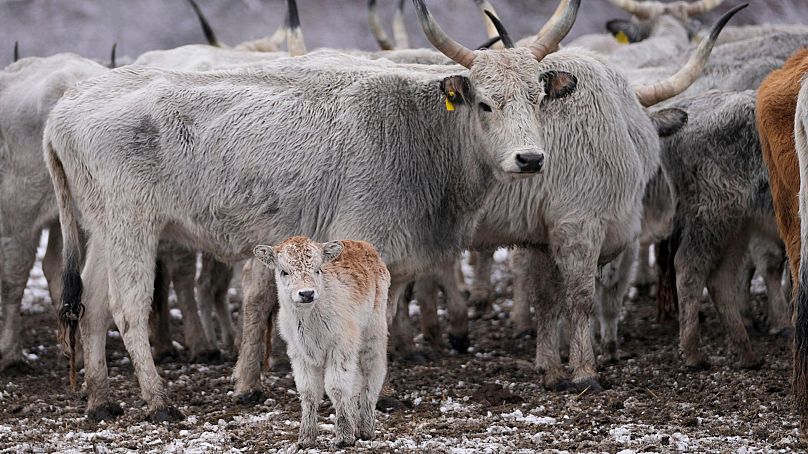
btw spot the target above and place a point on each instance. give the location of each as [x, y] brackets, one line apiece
[549, 305]
[576, 250]
[341, 376]
[181, 264]
[52, 263]
[614, 280]
[698, 255]
[770, 259]
[373, 368]
[131, 260]
[645, 275]
[93, 326]
[260, 295]
[401, 330]
[724, 292]
[482, 290]
[223, 275]
[278, 359]
[524, 286]
[426, 293]
[159, 317]
[18, 255]
[205, 289]
[456, 308]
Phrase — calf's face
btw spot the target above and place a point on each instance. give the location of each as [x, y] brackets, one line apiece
[298, 264]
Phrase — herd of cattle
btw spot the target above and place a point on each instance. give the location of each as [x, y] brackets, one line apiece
[581, 157]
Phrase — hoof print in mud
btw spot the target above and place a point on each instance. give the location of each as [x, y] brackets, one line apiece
[168, 414]
[106, 412]
[253, 397]
[459, 343]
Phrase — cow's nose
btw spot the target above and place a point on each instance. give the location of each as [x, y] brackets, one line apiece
[306, 296]
[530, 162]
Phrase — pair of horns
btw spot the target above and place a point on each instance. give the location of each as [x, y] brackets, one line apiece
[547, 43]
[649, 9]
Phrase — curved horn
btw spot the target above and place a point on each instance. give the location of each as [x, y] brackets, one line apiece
[548, 42]
[16, 50]
[210, 36]
[702, 7]
[490, 29]
[377, 29]
[399, 29]
[294, 34]
[279, 35]
[112, 63]
[641, 10]
[648, 95]
[446, 45]
[490, 42]
[503, 34]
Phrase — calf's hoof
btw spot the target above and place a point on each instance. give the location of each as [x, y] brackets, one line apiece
[459, 343]
[253, 397]
[166, 414]
[105, 412]
[211, 356]
[588, 385]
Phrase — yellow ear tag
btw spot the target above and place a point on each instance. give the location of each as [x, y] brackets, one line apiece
[449, 104]
[622, 37]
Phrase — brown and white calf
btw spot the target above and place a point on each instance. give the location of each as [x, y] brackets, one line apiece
[333, 299]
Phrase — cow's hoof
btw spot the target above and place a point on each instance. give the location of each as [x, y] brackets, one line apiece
[589, 385]
[212, 356]
[16, 368]
[389, 404]
[697, 364]
[166, 356]
[526, 333]
[166, 414]
[343, 443]
[105, 412]
[558, 385]
[254, 397]
[459, 343]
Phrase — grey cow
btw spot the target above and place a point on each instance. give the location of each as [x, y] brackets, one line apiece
[221, 161]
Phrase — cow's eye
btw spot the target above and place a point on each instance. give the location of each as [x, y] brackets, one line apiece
[284, 273]
[317, 271]
[485, 107]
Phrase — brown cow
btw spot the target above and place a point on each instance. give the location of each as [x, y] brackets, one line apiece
[776, 107]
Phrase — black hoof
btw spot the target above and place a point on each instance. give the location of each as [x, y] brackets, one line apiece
[698, 366]
[559, 386]
[390, 404]
[343, 444]
[17, 368]
[588, 386]
[253, 397]
[168, 414]
[459, 343]
[529, 333]
[167, 356]
[752, 364]
[213, 356]
[106, 412]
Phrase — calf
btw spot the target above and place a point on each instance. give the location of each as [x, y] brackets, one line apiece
[333, 299]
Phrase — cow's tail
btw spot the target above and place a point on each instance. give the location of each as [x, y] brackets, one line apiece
[71, 308]
[801, 302]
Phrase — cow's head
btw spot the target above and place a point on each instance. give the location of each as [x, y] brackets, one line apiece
[651, 16]
[504, 91]
[298, 264]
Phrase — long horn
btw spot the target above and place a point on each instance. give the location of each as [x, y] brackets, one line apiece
[702, 7]
[641, 10]
[210, 36]
[490, 42]
[294, 34]
[553, 19]
[490, 29]
[377, 29]
[446, 45]
[503, 34]
[16, 50]
[279, 36]
[648, 95]
[548, 42]
[399, 29]
[112, 63]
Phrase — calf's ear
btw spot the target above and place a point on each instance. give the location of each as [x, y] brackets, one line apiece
[668, 121]
[265, 254]
[558, 84]
[331, 250]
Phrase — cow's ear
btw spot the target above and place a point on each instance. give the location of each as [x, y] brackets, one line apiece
[265, 254]
[558, 84]
[457, 90]
[668, 121]
[331, 250]
[626, 31]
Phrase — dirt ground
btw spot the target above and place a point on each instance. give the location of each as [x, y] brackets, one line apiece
[489, 401]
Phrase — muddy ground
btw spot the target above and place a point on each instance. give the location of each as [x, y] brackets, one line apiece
[486, 401]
